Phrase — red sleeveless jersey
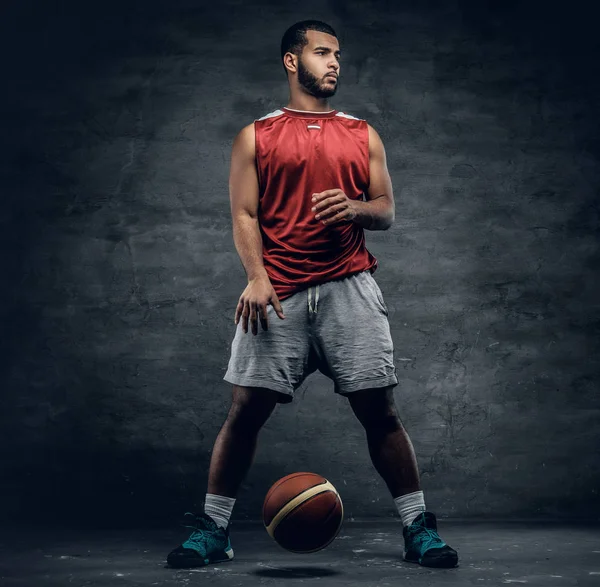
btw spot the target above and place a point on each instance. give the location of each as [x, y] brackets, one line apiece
[298, 154]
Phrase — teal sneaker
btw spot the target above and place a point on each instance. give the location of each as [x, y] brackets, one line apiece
[207, 544]
[423, 545]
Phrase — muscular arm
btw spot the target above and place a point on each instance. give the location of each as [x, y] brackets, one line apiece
[243, 197]
[378, 212]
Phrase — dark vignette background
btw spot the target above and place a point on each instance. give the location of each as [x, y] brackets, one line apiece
[120, 277]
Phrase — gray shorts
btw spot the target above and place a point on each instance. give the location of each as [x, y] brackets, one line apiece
[339, 327]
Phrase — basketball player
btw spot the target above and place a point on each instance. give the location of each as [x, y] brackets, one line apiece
[296, 184]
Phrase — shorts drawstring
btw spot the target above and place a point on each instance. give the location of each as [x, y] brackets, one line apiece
[313, 310]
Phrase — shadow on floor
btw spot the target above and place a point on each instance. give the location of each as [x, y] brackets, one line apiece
[295, 572]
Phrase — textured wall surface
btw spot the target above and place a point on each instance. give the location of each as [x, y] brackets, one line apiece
[120, 276]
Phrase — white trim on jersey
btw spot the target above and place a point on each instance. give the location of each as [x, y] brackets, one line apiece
[279, 112]
[344, 115]
[309, 111]
[271, 114]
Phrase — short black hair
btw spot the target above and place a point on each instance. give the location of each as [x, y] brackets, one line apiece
[294, 39]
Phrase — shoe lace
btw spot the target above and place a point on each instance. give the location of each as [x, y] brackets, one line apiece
[426, 537]
[198, 537]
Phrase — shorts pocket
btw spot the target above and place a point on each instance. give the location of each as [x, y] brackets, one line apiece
[379, 295]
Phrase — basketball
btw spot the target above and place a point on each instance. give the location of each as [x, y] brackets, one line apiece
[303, 512]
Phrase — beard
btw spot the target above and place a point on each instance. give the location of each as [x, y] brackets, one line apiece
[319, 88]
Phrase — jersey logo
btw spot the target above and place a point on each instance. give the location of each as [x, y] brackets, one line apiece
[313, 126]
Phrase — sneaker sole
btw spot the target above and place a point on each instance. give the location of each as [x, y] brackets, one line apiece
[442, 562]
[191, 564]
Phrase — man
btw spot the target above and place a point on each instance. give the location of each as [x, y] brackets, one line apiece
[296, 184]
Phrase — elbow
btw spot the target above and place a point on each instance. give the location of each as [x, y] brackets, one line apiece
[245, 216]
[391, 220]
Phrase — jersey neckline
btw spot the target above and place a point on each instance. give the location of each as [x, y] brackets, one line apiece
[308, 113]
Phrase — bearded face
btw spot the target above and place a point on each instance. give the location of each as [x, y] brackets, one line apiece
[319, 87]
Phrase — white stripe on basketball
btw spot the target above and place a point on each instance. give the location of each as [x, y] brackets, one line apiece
[298, 500]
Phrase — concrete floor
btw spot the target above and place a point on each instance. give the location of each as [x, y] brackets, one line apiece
[364, 553]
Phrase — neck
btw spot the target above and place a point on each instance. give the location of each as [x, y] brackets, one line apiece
[312, 111]
[307, 102]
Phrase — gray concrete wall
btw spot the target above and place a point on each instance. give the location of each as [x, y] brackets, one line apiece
[120, 276]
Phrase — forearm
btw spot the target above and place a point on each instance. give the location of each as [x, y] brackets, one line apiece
[248, 243]
[376, 214]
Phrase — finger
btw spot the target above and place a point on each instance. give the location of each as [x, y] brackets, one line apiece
[264, 322]
[238, 311]
[278, 308]
[330, 211]
[343, 215]
[245, 313]
[326, 193]
[253, 318]
[328, 202]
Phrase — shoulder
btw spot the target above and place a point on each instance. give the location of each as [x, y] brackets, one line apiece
[355, 122]
[375, 142]
[273, 114]
[246, 137]
[346, 116]
[245, 140]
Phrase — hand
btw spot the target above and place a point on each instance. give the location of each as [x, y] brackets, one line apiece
[332, 206]
[253, 303]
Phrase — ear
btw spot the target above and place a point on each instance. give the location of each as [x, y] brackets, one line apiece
[290, 62]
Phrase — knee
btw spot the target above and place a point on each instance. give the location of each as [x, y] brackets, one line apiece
[381, 424]
[376, 410]
[250, 411]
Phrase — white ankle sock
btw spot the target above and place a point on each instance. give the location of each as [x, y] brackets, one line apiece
[410, 506]
[219, 508]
